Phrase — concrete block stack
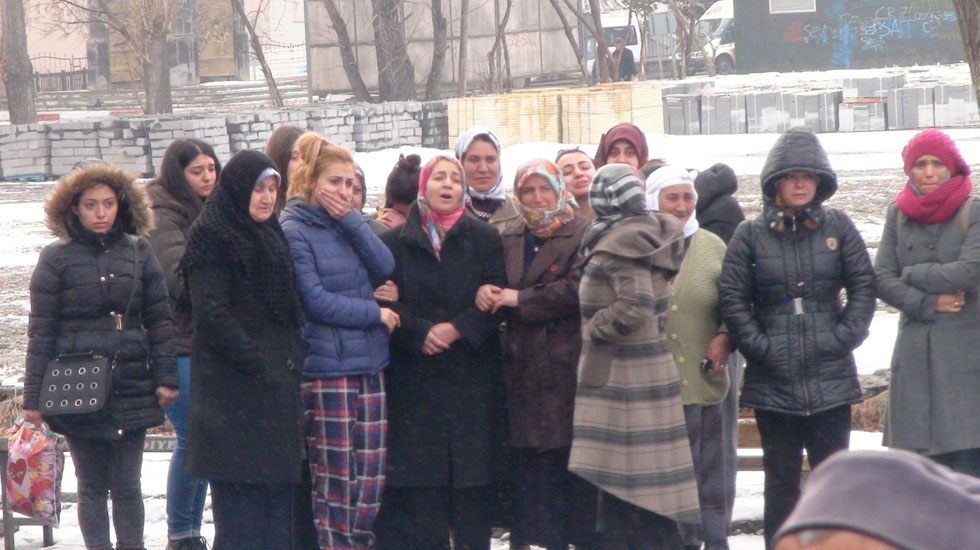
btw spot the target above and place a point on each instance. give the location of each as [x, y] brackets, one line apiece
[435, 125]
[723, 114]
[163, 132]
[72, 142]
[125, 143]
[829, 113]
[335, 122]
[682, 114]
[250, 130]
[767, 112]
[956, 106]
[910, 108]
[803, 110]
[863, 117]
[387, 125]
[237, 127]
[25, 152]
[873, 86]
[864, 106]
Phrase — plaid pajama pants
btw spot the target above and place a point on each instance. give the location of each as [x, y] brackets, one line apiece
[345, 441]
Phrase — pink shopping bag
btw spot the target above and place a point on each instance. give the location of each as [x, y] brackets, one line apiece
[35, 465]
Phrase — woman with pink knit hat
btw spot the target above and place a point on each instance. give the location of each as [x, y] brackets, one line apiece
[928, 267]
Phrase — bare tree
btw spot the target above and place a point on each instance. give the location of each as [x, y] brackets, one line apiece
[143, 26]
[594, 25]
[495, 69]
[968, 16]
[18, 74]
[464, 15]
[571, 40]
[253, 36]
[351, 67]
[685, 32]
[642, 10]
[440, 43]
[396, 75]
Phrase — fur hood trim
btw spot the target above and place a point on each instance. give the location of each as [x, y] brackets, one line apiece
[134, 216]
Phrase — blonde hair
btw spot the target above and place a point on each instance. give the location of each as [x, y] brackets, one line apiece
[315, 155]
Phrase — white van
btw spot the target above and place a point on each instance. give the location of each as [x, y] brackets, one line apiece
[716, 31]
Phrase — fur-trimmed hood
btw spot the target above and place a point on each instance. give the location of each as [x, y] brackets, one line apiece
[134, 216]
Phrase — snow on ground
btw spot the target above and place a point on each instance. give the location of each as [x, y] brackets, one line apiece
[748, 506]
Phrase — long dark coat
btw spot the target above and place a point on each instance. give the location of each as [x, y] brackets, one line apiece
[446, 424]
[935, 370]
[243, 365]
[543, 338]
[77, 284]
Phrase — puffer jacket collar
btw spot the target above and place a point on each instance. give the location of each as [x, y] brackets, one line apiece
[133, 218]
[298, 209]
[781, 219]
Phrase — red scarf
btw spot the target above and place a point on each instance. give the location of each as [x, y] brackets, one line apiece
[938, 206]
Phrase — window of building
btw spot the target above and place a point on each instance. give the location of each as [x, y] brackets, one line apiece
[792, 6]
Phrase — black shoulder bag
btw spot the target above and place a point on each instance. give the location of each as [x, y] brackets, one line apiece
[79, 383]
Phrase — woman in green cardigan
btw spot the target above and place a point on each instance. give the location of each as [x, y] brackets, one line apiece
[700, 346]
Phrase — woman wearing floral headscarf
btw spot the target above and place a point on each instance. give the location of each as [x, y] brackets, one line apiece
[541, 348]
[630, 438]
[446, 427]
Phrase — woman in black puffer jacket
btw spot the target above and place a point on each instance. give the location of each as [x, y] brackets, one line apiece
[780, 297]
[79, 283]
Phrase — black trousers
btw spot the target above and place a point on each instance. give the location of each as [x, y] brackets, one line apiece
[107, 467]
[424, 518]
[784, 436]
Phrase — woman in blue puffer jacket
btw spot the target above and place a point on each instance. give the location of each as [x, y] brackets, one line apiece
[339, 262]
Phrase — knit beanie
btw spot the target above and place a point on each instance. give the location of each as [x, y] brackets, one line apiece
[895, 496]
[938, 144]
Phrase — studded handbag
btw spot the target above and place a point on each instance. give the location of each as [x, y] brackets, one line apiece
[80, 383]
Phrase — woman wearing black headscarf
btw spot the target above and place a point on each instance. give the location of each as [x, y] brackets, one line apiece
[245, 431]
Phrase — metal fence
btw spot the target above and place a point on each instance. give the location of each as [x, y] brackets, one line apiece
[60, 74]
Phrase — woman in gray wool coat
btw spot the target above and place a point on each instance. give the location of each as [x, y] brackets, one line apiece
[928, 266]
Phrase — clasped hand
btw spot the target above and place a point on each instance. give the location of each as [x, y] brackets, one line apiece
[491, 298]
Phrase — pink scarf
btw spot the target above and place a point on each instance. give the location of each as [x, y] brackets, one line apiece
[938, 206]
[436, 225]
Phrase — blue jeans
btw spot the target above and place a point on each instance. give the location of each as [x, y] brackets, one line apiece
[185, 494]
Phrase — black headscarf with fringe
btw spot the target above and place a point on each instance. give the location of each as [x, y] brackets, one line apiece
[225, 234]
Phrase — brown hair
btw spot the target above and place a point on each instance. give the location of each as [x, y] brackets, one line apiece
[315, 154]
[280, 149]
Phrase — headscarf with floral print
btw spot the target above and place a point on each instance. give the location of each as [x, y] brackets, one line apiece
[543, 223]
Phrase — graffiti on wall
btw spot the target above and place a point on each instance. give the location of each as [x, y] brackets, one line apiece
[850, 26]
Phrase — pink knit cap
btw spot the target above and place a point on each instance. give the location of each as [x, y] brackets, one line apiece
[937, 143]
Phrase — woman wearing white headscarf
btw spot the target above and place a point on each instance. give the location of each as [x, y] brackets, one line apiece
[478, 150]
[700, 345]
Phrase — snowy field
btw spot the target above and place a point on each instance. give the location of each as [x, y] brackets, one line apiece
[869, 169]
